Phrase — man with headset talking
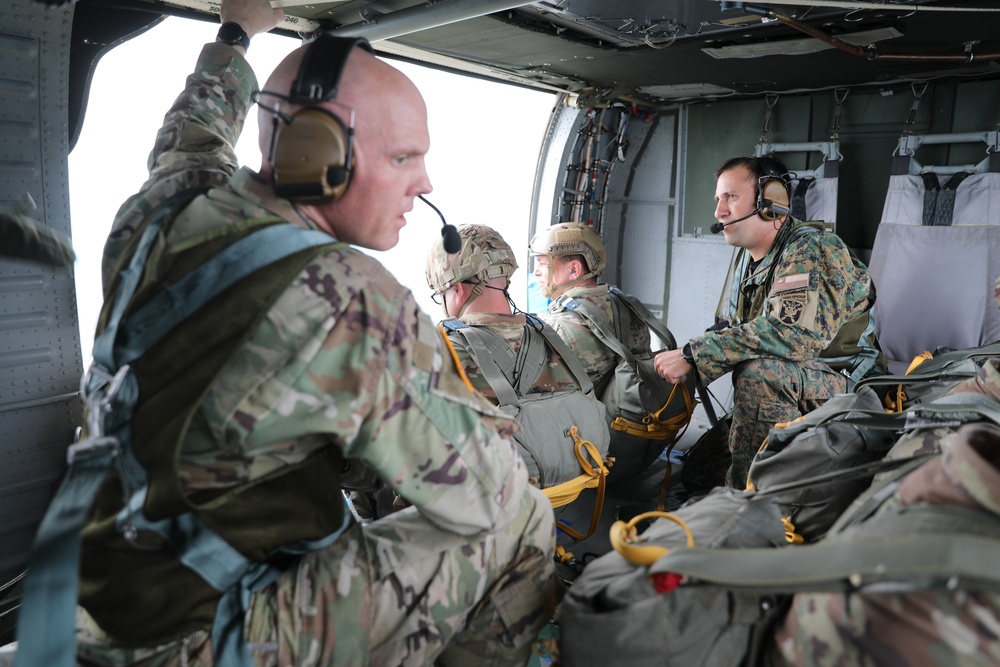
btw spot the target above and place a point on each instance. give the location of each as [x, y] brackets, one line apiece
[234, 544]
[800, 326]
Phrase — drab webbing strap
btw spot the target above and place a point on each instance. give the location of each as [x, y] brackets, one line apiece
[180, 300]
[46, 625]
[47, 617]
[960, 549]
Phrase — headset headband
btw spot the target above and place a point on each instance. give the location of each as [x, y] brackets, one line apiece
[321, 68]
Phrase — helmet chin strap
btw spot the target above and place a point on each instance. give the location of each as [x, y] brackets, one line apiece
[549, 289]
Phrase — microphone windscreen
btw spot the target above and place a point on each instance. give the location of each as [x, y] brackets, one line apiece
[452, 241]
[716, 228]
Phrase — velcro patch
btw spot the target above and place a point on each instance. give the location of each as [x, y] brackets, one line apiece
[791, 307]
[789, 283]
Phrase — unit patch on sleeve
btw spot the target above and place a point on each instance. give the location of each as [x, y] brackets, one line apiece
[791, 307]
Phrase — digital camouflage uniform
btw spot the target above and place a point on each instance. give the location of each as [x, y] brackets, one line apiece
[948, 628]
[790, 319]
[598, 359]
[344, 358]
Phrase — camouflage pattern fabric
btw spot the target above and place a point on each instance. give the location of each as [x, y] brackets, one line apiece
[940, 627]
[597, 358]
[555, 376]
[346, 359]
[408, 587]
[817, 289]
[770, 391]
[21, 237]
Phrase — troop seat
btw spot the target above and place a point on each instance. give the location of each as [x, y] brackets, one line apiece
[937, 252]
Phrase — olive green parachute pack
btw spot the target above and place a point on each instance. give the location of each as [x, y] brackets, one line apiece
[563, 437]
[645, 412]
[707, 584]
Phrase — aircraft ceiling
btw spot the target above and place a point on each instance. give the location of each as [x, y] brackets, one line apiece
[648, 51]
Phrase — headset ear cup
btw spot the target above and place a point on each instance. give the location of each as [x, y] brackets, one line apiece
[774, 192]
[310, 157]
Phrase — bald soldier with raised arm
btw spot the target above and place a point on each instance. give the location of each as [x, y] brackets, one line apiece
[253, 406]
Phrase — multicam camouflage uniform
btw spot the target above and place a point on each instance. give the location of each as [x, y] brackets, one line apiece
[797, 318]
[942, 627]
[485, 255]
[343, 359]
[598, 359]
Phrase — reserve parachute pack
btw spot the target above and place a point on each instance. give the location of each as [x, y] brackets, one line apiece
[707, 585]
[646, 413]
[563, 438]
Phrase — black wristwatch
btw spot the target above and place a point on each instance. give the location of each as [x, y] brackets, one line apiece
[233, 34]
[686, 353]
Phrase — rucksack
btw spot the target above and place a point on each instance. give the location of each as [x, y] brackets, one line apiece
[645, 413]
[931, 375]
[563, 437]
[707, 587]
[828, 439]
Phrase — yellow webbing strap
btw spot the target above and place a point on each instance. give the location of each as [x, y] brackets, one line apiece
[790, 535]
[454, 357]
[595, 475]
[626, 541]
[651, 427]
[895, 404]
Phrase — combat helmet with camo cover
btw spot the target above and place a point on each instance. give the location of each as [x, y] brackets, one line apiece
[565, 239]
[484, 256]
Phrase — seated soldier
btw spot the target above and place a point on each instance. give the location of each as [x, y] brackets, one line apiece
[800, 328]
[609, 332]
[569, 258]
[509, 355]
[472, 287]
[233, 537]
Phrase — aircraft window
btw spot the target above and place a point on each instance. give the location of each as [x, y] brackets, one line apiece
[481, 163]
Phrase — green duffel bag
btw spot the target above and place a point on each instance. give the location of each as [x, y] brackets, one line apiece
[620, 597]
[826, 440]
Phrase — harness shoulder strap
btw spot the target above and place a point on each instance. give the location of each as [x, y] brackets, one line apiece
[640, 310]
[557, 344]
[494, 359]
[602, 327]
[46, 627]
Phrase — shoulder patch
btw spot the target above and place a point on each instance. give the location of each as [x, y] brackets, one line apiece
[789, 283]
[791, 307]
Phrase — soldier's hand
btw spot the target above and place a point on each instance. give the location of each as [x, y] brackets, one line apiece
[671, 365]
[21, 237]
[254, 16]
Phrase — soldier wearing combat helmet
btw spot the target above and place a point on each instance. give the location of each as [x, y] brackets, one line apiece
[471, 285]
[569, 258]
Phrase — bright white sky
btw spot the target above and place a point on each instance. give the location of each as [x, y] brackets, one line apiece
[485, 139]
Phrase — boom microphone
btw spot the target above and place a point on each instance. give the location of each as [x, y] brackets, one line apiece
[452, 241]
[767, 205]
[719, 226]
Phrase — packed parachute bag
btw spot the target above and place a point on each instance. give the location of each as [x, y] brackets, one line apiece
[908, 574]
[931, 375]
[563, 437]
[646, 413]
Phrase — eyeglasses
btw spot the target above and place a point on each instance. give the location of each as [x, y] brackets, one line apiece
[436, 298]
